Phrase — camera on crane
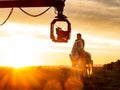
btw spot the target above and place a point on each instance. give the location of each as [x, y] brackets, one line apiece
[58, 34]
[62, 36]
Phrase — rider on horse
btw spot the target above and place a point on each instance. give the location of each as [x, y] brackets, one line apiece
[81, 58]
[77, 48]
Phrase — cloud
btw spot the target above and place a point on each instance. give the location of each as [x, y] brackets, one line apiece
[95, 16]
[110, 3]
[96, 9]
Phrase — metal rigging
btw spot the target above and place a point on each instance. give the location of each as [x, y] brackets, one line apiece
[60, 35]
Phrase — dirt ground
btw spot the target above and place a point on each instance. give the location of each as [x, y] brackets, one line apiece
[56, 78]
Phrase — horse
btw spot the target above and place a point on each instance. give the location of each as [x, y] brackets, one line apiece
[84, 63]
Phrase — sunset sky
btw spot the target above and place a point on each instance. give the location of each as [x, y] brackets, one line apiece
[25, 40]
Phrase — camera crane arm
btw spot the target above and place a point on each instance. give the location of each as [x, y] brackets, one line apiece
[57, 4]
[31, 3]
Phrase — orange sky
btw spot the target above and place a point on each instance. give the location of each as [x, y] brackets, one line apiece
[24, 40]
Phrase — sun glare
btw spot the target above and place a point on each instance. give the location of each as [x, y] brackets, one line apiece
[31, 46]
[19, 52]
[23, 47]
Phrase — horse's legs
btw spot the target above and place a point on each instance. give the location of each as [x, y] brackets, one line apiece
[91, 67]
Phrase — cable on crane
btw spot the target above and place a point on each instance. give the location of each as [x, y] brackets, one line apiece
[7, 17]
[32, 14]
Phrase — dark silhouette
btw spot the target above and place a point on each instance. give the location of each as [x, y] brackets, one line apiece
[112, 66]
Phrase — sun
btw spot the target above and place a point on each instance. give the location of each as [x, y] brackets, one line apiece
[20, 51]
[16, 54]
